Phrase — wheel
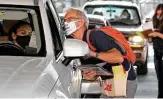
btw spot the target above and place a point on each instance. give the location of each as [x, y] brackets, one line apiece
[142, 69]
[9, 48]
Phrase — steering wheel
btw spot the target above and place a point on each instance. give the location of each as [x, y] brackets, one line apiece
[9, 48]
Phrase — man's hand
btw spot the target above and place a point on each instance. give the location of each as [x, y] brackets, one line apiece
[89, 75]
[92, 53]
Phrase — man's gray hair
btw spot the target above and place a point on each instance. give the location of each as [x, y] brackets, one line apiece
[84, 16]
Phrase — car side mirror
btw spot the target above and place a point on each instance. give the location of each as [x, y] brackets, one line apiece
[75, 48]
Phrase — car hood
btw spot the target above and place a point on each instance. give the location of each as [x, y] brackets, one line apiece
[19, 75]
[128, 30]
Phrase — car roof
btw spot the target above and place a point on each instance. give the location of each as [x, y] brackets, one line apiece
[121, 3]
[19, 2]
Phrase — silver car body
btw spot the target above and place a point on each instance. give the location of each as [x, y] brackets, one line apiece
[34, 76]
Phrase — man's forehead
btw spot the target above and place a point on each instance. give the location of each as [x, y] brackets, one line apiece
[72, 14]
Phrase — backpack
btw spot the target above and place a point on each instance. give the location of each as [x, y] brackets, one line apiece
[120, 40]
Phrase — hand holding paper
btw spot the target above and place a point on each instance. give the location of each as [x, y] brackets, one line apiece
[89, 74]
[154, 34]
[148, 29]
[146, 33]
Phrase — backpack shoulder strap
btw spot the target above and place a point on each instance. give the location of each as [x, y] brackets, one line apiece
[88, 41]
[116, 42]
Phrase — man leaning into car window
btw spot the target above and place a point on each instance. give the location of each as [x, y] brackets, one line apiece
[20, 34]
[76, 24]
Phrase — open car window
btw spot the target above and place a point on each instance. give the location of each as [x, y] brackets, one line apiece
[9, 17]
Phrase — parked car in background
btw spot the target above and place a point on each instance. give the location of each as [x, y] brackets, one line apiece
[44, 73]
[112, 10]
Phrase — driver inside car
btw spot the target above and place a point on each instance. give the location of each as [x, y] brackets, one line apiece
[125, 14]
[20, 34]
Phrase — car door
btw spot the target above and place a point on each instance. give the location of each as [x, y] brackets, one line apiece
[67, 74]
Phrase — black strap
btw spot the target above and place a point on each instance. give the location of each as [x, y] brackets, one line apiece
[31, 20]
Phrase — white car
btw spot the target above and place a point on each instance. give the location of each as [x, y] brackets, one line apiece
[45, 73]
[112, 10]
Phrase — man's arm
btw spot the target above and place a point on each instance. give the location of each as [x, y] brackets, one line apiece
[110, 56]
[106, 46]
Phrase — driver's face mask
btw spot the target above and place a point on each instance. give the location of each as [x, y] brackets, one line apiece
[23, 40]
[71, 27]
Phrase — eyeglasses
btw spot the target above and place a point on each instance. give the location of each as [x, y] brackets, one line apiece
[71, 19]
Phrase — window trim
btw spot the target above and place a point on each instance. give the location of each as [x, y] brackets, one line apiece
[42, 52]
[57, 55]
[57, 18]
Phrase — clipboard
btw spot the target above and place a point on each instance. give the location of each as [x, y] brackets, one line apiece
[146, 32]
[99, 69]
[148, 28]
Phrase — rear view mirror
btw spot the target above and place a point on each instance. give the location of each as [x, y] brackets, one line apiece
[75, 48]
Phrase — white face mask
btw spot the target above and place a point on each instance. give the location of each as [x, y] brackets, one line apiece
[71, 27]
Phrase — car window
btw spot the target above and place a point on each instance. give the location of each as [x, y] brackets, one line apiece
[12, 34]
[57, 19]
[114, 14]
[58, 48]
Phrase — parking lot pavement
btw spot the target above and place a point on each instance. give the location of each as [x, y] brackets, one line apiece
[147, 84]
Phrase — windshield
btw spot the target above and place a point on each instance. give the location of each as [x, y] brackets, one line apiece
[117, 15]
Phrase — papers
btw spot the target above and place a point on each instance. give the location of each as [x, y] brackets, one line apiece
[148, 28]
[119, 72]
[148, 25]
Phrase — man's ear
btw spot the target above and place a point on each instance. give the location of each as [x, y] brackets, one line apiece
[81, 22]
[13, 36]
